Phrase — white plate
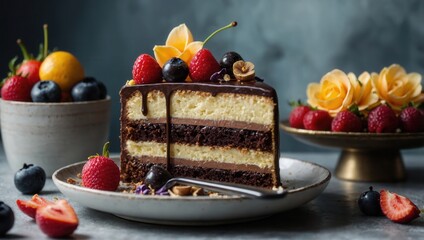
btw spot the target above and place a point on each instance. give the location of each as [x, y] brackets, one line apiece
[304, 182]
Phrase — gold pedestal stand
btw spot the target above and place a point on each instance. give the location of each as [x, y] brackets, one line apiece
[370, 166]
[370, 157]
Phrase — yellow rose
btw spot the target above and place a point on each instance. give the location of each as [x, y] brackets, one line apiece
[397, 88]
[364, 95]
[334, 93]
[178, 44]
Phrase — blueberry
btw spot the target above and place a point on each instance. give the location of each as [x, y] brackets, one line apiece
[369, 203]
[227, 61]
[156, 177]
[46, 91]
[103, 90]
[7, 218]
[87, 90]
[175, 70]
[30, 179]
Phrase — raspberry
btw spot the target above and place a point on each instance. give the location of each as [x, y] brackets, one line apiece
[202, 66]
[146, 70]
[346, 121]
[411, 120]
[382, 119]
[296, 116]
[318, 120]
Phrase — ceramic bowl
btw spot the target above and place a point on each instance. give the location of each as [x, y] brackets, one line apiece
[53, 135]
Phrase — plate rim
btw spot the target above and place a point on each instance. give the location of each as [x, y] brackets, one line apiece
[57, 181]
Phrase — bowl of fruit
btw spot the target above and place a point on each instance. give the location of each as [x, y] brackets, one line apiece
[371, 118]
[51, 114]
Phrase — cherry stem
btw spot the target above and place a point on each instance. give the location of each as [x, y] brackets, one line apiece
[106, 150]
[232, 24]
[46, 41]
[23, 49]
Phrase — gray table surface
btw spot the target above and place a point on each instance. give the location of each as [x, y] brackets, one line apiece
[332, 215]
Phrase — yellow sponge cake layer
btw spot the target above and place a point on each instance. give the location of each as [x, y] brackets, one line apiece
[202, 153]
[204, 106]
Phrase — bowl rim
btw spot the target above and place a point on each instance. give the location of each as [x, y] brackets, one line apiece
[11, 102]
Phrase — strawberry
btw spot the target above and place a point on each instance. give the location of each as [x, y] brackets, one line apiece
[297, 114]
[30, 67]
[411, 120]
[30, 207]
[398, 208]
[57, 220]
[382, 119]
[346, 121]
[317, 120]
[101, 172]
[202, 66]
[17, 88]
[146, 70]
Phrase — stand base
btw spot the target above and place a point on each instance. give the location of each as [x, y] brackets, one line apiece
[370, 166]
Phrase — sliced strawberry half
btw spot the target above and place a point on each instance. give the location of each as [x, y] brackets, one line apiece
[58, 219]
[398, 208]
[30, 207]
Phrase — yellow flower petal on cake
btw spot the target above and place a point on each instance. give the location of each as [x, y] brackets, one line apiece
[179, 37]
[164, 53]
[191, 50]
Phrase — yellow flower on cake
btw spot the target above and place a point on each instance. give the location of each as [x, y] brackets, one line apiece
[396, 87]
[179, 44]
[334, 93]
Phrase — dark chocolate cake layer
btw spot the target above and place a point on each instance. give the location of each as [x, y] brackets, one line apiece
[135, 172]
[199, 135]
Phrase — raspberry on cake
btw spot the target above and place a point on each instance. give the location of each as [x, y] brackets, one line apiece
[215, 130]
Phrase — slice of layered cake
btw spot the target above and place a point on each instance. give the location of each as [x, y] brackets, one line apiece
[221, 125]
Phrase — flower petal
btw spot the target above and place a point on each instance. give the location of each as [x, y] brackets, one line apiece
[164, 53]
[190, 51]
[179, 37]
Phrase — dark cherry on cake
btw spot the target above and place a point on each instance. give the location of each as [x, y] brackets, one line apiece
[218, 123]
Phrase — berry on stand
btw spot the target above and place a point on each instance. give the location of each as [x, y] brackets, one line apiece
[369, 203]
[87, 90]
[346, 121]
[175, 70]
[382, 119]
[46, 91]
[318, 120]
[297, 114]
[101, 172]
[398, 208]
[7, 218]
[227, 61]
[146, 70]
[411, 120]
[156, 177]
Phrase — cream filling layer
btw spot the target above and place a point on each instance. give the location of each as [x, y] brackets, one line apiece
[202, 153]
[204, 106]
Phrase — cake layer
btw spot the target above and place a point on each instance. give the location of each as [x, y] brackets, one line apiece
[202, 153]
[134, 171]
[199, 135]
[203, 106]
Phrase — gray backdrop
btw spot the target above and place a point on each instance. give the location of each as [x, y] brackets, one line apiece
[291, 42]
